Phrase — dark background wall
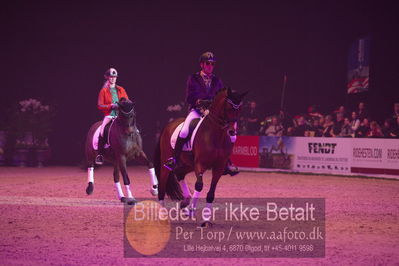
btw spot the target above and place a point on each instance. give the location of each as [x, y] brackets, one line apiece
[57, 51]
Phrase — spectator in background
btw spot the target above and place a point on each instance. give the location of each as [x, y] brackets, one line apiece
[387, 128]
[338, 124]
[395, 131]
[285, 121]
[395, 111]
[302, 128]
[312, 114]
[251, 119]
[328, 126]
[316, 128]
[275, 128]
[362, 111]
[346, 130]
[375, 130]
[341, 110]
[355, 123]
[363, 129]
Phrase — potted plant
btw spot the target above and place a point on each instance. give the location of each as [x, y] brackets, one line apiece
[32, 124]
[22, 150]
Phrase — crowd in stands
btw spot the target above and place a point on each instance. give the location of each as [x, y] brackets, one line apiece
[339, 123]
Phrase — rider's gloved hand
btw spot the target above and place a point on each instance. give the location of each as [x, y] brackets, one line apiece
[114, 106]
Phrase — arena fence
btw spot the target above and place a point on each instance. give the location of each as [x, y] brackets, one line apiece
[342, 156]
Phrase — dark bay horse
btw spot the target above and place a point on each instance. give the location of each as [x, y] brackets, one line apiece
[125, 144]
[212, 148]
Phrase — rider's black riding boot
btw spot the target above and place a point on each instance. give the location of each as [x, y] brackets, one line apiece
[171, 163]
[100, 158]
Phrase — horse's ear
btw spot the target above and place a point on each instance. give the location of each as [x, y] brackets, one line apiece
[229, 92]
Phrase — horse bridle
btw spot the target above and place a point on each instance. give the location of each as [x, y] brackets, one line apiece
[235, 106]
[127, 115]
[224, 123]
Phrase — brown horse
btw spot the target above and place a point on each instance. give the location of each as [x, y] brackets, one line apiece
[212, 148]
[125, 144]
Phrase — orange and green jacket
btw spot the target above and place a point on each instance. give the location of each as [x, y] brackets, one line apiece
[105, 99]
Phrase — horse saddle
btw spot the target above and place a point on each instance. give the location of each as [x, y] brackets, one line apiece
[194, 125]
[106, 135]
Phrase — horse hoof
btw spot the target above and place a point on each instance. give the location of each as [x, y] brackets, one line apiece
[123, 199]
[90, 188]
[154, 191]
[206, 224]
[131, 201]
[184, 203]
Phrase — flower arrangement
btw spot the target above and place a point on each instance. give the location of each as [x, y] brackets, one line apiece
[34, 119]
[175, 110]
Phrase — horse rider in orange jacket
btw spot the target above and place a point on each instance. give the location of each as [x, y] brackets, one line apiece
[108, 99]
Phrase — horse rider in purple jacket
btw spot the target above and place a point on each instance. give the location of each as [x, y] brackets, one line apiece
[201, 87]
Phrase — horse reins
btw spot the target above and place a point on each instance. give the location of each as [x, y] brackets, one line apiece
[221, 121]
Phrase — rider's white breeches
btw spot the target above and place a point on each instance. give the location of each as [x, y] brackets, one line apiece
[186, 125]
[105, 122]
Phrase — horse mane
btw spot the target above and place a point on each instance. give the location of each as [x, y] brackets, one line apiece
[218, 101]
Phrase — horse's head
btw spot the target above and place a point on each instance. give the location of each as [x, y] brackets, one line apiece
[233, 105]
[126, 110]
[227, 104]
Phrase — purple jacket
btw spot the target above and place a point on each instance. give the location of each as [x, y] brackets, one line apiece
[196, 89]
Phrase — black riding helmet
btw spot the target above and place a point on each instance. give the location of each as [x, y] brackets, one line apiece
[207, 56]
[110, 73]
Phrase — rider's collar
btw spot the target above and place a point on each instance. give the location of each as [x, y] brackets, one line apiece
[205, 76]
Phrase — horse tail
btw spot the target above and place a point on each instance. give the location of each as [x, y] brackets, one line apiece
[173, 189]
[90, 153]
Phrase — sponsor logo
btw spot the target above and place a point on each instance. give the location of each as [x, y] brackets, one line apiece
[325, 148]
[369, 153]
[393, 154]
[245, 150]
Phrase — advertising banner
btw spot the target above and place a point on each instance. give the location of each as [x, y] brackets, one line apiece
[276, 152]
[318, 155]
[322, 155]
[245, 151]
[375, 156]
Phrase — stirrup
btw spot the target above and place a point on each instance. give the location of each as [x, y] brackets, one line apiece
[170, 164]
[99, 159]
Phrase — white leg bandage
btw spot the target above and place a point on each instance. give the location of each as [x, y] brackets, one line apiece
[195, 199]
[185, 129]
[90, 175]
[184, 187]
[153, 177]
[119, 190]
[128, 191]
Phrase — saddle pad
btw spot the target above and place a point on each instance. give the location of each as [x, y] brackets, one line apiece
[188, 146]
